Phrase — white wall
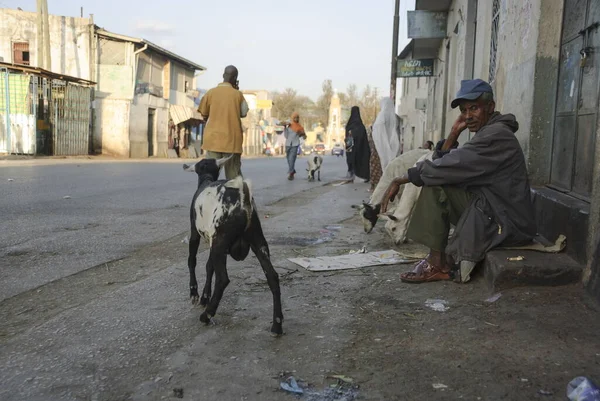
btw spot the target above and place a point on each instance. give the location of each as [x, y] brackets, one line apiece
[69, 41]
[111, 126]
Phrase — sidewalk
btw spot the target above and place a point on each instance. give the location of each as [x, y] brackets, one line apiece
[367, 325]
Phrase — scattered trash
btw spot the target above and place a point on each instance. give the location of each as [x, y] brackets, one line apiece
[267, 216]
[343, 378]
[178, 392]
[352, 261]
[516, 259]
[582, 389]
[291, 385]
[10, 180]
[544, 392]
[438, 305]
[66, 197]
[494, 298]
[186, 240]
[524, 380]
[439, 386]
[361, 250]
[495, 325]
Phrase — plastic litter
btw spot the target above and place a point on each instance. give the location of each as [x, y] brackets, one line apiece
[545, 392]
[494, 298]
[516, 259]
[361, 250]
[439, 386]
[438, 305]
[10, 180]
[345, 379]
[582, 389]
[291, 385]
[66, 197]
[186, 240]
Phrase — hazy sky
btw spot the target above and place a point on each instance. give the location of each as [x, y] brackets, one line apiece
[274, 43]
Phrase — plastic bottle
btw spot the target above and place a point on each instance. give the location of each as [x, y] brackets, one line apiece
[582, 389]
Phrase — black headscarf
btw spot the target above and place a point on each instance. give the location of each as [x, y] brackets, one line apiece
[361, 152]
[354, 119]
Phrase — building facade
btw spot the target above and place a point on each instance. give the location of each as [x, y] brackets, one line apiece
[137, 82]
[542, 58]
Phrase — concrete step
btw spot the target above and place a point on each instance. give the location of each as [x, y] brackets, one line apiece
[536, 269]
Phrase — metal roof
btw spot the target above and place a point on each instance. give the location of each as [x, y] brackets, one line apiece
[45, 73]
[155, 47]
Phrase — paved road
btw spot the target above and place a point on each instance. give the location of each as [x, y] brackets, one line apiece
[60, 217]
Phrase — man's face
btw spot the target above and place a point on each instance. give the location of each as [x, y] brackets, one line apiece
[476, 113]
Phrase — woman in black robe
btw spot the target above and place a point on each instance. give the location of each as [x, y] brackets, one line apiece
[358, 159]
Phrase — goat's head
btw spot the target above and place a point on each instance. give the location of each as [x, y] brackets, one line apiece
[207, 167]
[368, 214]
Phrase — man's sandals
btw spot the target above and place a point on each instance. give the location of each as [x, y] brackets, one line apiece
[425, 272]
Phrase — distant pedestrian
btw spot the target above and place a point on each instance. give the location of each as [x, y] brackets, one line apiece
[374, 162]
[361, 153]
[224, 106]
[293, 133]
[385, 133]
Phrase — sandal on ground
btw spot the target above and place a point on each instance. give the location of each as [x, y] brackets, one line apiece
[425, 272]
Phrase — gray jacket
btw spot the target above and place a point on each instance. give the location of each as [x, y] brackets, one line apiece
[492, 167]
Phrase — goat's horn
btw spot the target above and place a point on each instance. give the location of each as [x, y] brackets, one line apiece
[190, 167]
[222, 161]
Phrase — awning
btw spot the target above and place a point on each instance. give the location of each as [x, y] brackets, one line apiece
[180, 114]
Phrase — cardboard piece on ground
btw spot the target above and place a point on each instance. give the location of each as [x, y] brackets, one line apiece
[352, 261]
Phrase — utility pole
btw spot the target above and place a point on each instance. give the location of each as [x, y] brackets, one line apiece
[46, 36]
[395, 52]
[40, 35]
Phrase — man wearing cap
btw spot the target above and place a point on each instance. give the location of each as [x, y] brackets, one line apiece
[481, 188]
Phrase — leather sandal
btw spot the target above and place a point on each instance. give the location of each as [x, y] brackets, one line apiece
[425, 272]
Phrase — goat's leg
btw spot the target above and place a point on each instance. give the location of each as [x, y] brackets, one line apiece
[218, 257]
[207, 291]
[193, 250]
[261, 250]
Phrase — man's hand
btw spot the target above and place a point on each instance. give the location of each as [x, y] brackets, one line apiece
[459, 125]
[392, 191]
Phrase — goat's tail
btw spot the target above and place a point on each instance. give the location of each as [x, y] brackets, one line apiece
[247, 202]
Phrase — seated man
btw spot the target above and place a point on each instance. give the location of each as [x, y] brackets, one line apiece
[482, 188]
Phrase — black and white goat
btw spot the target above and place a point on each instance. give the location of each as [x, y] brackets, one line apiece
[224, 213]
[314, 166]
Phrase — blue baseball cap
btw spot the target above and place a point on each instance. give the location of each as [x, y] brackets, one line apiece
[471, 89]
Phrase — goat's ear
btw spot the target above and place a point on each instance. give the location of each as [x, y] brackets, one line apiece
[222, 161]
[388, 216]
[190, 167]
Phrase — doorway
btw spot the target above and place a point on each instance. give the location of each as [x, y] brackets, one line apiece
[151, 129]
[574, 137]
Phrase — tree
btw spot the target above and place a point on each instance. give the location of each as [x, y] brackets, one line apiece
[369, 105]
[323, 103]
[288, 101]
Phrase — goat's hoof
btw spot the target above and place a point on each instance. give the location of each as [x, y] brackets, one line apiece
[205, 318]
[204, 301]
[276, 330]
[195, 299]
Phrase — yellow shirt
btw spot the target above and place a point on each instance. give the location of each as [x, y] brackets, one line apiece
[223, 106]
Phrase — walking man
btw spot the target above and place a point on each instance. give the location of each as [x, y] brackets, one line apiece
[293, 132]
[224, 106]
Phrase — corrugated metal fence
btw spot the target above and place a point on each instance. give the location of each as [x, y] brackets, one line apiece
[43, 116]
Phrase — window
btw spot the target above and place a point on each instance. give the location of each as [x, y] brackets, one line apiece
[494, 39]
[21, 53]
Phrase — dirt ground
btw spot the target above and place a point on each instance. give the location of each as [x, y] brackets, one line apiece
[367, 327]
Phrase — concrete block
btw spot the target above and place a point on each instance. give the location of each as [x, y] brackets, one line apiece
[537, 269]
